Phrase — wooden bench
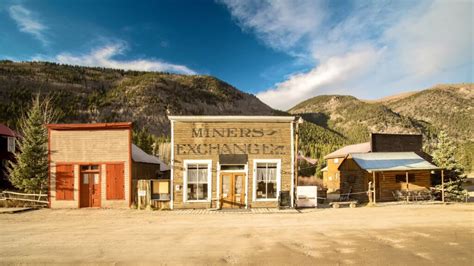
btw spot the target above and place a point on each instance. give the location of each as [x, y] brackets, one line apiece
[337, 204]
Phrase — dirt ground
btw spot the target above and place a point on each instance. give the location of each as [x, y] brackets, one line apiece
[389, 235]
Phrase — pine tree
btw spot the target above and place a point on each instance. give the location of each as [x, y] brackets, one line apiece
[30, 171]
[443, 156]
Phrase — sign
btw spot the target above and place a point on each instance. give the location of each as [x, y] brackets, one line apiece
[142, 193]
[232, 132]
[208, 149]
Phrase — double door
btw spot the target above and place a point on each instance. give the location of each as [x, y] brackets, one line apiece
[232, 190]
[90, 189]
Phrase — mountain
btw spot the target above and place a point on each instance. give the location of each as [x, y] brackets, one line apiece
[91, 94]
[447, 107]
[85, 94]
[353, 118]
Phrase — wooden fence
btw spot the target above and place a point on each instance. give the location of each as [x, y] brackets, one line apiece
[16, 196]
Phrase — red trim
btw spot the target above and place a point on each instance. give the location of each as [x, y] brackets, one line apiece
[130, 166]
[120, 125]
[49, 168]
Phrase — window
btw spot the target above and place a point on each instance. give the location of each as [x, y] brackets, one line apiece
[266, 180]
[89, 167]
[233, 167]
[65, 182]
[403, 178]
[197, 181]
[336, 160]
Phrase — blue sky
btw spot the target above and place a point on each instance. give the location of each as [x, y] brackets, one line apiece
[282, 51]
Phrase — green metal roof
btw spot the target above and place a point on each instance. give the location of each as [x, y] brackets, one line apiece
[392, 161]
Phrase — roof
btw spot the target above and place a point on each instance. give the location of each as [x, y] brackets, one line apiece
[344, 151]
[6, 131]
[234, 118]
[324, 169]
[392, 161]
[118, 125]
[139, 156]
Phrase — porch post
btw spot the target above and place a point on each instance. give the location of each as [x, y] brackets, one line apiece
[406, 181]
[373, 179]
[442, 185]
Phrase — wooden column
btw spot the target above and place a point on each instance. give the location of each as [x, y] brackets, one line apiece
[375, 195]
[442, 185]
[406, 182]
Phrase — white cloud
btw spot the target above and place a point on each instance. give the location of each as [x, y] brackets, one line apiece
[330, 74]
[279, 23]
[371, 46]
[104, 57]
[28, 23]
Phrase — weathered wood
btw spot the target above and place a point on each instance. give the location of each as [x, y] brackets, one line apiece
[206, 140]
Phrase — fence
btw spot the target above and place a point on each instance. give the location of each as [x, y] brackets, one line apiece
[16, 196]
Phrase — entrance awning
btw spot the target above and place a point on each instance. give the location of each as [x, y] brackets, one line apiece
[233, 159]
[392, 161]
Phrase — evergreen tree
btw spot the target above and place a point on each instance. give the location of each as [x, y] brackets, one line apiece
[144, 140]
[443, 156]
[30, 171]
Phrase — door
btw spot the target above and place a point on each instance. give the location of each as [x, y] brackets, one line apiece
[90, 189]
[233, 190]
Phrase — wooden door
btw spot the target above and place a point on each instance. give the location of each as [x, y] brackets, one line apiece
[90, 190]
[232, 190]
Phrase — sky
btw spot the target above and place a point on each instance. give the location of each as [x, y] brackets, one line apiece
[283, 51]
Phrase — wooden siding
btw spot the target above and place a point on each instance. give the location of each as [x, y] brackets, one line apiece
[115, 181]
[65, 182]
[236, 140]
[396, 142]
[145, 171]
[331, 177]
[100, 147]
[355, 179]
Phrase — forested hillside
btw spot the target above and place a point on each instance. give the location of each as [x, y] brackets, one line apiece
[84, 94]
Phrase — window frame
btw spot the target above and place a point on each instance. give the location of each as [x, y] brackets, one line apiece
[185, 179]
[278, 179]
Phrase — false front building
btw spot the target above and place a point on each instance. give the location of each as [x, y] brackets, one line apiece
[232, 161]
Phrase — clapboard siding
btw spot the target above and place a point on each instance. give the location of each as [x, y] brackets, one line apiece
[257, 147]
[90, 146]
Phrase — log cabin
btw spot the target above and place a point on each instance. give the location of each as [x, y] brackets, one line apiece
[343, 174]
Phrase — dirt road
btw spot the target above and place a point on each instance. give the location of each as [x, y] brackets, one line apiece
[396, 235]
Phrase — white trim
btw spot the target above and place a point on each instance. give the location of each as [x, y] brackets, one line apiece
[292, 165]
[185, 179]
[255, 161]
[246, 185]
[172, 167]
[218, 186]
[242, 118]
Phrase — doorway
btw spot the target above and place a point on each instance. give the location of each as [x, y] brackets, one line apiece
[90, 186]
[232, 190]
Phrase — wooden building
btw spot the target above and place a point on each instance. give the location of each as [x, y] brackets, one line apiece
[91, 165]
[389, 172]
[7, 153]
[379, 142]
[331, 173]
[232, 161]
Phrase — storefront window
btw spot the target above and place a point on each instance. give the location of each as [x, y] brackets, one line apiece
[266, 181]
[197, 181]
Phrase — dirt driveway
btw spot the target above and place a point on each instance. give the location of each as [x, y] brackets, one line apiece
[396, 235]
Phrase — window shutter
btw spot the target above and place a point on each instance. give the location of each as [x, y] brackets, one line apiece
[65, 182]
[115, 181]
